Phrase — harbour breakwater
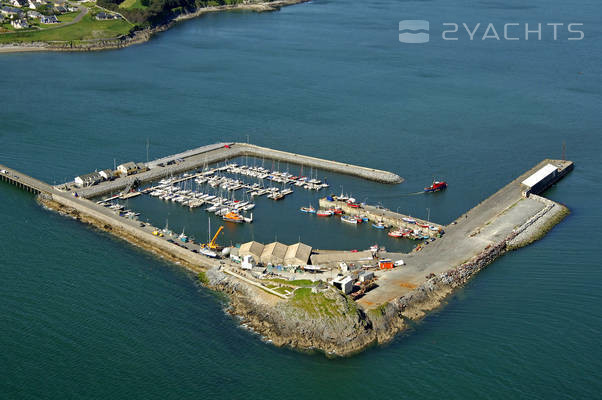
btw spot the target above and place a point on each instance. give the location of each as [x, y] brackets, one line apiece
[218, 152]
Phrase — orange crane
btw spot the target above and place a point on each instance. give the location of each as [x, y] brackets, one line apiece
[212, 245]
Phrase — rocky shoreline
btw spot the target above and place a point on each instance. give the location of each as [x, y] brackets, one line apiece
[141, 36]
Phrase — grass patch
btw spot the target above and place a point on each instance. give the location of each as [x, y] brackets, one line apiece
[66, 17]
[284, 290]
[202, 277]
[132, 5]
[298, 282]
[315, 304]
[87, 28]
[379, 311]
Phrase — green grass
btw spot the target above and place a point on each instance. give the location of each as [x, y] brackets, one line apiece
[284, 290]
[202, 277]
[87, 28]
[315, 304]
[66, 17]
[297, 282]
[132, 4]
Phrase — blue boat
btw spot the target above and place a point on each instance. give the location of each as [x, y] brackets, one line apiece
[378, 225]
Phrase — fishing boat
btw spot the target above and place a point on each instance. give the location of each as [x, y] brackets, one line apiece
[409, 220]
[436, 186]
[395, 233]
[325, 213]
[349, 220]
[337, 211]
[309, 209]
[233, 217]
[183, 237]
[379, 225]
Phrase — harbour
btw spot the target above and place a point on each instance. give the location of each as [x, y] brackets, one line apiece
[374, 277]
[87, 313]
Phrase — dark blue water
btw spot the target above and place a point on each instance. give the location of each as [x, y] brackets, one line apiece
[88, 316]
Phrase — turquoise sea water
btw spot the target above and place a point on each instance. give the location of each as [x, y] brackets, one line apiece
[84, 315]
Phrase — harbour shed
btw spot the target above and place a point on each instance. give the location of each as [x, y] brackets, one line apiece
[88, 179]
[297, 254]
[107, 174]
[540, 180]
[274, 253]
[343, 283]
[128, 168]
[255, 249]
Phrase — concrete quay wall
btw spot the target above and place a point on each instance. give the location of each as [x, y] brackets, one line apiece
[327, 165]
[111, 222]
[376, 214]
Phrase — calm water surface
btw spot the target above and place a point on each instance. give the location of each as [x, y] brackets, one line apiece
[84, 315]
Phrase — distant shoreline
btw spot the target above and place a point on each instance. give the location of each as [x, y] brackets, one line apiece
[138, 37]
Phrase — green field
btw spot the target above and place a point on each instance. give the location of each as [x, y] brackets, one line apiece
[132, 4]
[67, 17]
[87, 28]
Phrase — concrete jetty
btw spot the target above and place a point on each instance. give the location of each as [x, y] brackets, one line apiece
[218, 152]
[388, 217]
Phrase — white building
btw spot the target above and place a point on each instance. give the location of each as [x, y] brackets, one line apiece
[247, 262]
[107, 174]
[540, 180]
[128, 168]
[343, 283]
[19, 24]
[88, 179]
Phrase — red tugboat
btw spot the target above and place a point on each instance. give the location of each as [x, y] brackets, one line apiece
[436, 186]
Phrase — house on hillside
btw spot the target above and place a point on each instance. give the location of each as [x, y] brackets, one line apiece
[103, 16]
[19, 24]
[11, 11]
[49, 19]
[19, 3]
[34, 14]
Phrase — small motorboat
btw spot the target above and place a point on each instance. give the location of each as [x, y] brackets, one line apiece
[409, 220]
[325, 213]
[379, 225]
[349, 220]
[309, 210]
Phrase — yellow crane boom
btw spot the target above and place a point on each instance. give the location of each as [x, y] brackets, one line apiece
[212, 244]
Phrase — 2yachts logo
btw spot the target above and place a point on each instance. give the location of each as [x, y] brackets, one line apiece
[418, 31]
[414, 31]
